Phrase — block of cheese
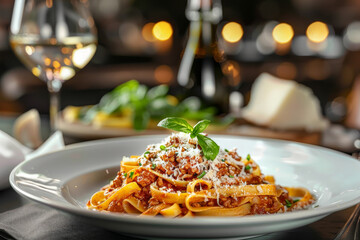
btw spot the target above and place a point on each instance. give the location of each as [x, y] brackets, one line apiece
[283, 105]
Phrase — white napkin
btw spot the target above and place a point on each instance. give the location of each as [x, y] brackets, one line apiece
[12, 153]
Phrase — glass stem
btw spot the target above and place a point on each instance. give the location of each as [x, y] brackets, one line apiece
[54, 87]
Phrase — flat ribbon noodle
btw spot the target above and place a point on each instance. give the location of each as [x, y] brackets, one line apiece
[269, 179]
[133, 205]
[167, 197]
[304, 194]
[172, 211]
[128, 164]
[192, 185]
[119, 195]
[246, 190]
[237, 191]
[189, 214]
[155, 210]
[177, 183]
[236, 211]
[202, 197]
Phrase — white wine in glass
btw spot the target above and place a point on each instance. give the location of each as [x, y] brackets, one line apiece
[54, 39]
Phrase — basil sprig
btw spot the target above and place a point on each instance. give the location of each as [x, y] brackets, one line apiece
[209, 147]
[145, 104]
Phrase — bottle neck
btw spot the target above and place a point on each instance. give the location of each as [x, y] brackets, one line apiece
[204, 10]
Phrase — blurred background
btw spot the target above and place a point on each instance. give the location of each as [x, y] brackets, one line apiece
[315, 42]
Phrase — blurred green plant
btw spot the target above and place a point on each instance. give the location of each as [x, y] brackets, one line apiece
[145, 104]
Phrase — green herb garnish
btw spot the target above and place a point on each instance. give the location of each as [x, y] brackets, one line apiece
[248, 157]
[223, 160]
[231, 176]
[162, 147]
[209, 147]
[201, 175]
[226, 150]
[140, 164]
[145, 104]
[296, 200]
[131, 175]
[147, 152]
[288, 203]
[153, 166]
[247, 167]
[125, 174]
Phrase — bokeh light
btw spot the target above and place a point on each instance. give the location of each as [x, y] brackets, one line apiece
[47, 61]
[163, 74]
[146, 32]
[29, 50]
[352, 36]
[82, 56]
[283, 33]
[162, 31]
[36, 71]
[232, 32]
[317, 32]
[66, 73]
[232, 70]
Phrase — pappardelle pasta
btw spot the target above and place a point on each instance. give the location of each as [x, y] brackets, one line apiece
[174, 179]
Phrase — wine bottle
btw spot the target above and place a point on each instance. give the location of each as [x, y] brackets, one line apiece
[200, 70]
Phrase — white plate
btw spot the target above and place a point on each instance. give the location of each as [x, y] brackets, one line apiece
[66, 179]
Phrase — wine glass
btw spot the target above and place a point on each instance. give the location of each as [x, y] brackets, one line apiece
[54, 39]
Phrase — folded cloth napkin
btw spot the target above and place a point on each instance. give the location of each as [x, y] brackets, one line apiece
[36, 221]
[12, 153]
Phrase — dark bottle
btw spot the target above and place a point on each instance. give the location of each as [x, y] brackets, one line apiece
[200, 68]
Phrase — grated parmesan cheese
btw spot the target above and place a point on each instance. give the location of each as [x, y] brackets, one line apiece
[189, 158]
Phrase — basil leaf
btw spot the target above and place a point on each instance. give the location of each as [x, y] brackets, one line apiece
[191, 104]
[176, 124]
[160, 108]
[87, 114]
[141, 117]
[209, 147]
[128, 86]
[200, 127]
[139, 93]
[119, 97]
[207, 113]
[157, 92]
[111, 104]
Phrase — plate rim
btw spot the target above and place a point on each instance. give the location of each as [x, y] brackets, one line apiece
[205, 221]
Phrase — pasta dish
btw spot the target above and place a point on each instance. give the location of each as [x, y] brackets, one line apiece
[175, 179]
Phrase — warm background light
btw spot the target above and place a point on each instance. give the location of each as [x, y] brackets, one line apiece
[162, 31]
[317, 32]
[232, 70]
[163, 74]
[82, 56]
[232, 32]
[283, 33]
[147, 32]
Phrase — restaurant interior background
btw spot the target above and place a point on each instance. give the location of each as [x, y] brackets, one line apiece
[315, 42]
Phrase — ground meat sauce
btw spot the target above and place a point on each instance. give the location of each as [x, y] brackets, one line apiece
[179, 157]
[172, 158]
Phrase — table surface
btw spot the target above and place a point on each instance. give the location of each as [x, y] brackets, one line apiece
[326, 228]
